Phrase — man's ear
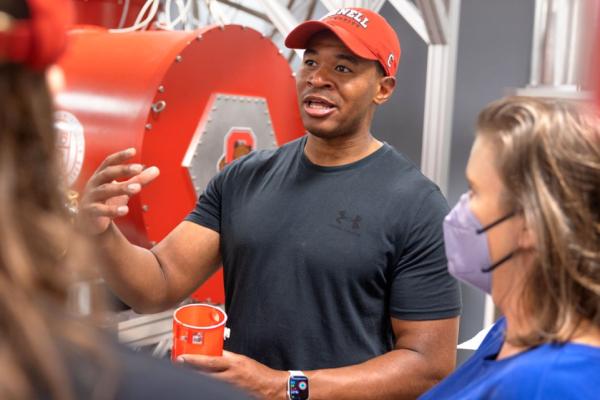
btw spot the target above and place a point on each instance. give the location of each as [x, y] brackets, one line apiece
[385, 89]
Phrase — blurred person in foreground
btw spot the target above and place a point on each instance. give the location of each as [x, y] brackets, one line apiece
[45, 351]
[528, 232]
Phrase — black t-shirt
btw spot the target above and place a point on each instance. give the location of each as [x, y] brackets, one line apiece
[317, 259]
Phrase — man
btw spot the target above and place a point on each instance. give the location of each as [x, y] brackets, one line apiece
[331, 245]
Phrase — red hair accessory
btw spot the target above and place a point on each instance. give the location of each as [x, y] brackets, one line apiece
[39, 41]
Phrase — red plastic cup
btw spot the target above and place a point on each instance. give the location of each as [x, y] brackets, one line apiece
[198, 329]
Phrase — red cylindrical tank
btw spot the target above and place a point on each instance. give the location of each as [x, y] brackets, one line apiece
[189, 102]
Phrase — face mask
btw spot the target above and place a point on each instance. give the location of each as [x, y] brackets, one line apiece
[467, 246]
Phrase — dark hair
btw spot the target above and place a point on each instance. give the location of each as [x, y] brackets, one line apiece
[36, 331]
[548, 156]
[380, 69]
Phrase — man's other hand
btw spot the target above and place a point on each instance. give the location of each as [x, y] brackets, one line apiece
[243, 372]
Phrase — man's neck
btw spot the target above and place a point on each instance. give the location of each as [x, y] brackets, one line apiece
[340, 151]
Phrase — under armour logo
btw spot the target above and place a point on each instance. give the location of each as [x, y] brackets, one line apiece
[343, 216]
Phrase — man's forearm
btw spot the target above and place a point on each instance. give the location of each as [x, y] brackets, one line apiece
[133, 272]
[399, 374]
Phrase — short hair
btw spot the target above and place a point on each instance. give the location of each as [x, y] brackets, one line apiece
[380, 69]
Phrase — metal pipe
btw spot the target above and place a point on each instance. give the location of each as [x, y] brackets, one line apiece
[246, 9]
[560, 37]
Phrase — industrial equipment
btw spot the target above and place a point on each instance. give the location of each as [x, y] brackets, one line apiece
[189, 102]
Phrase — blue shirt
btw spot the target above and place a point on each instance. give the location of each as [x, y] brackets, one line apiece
[549, 371]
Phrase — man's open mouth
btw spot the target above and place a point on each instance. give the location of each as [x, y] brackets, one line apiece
[318, 107]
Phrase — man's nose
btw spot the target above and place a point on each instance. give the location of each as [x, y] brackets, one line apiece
[319, 77]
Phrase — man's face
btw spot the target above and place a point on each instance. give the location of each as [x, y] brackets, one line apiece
[337, 90]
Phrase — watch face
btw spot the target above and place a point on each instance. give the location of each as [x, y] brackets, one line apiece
[298, 388]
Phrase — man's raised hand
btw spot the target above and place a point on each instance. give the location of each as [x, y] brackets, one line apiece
[107, 192]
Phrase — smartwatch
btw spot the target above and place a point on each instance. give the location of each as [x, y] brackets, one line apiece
[297, 386]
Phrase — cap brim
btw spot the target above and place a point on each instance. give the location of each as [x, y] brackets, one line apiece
[301, 35]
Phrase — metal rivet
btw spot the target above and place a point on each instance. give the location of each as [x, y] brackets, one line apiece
[293, 74]
[161, 89]
[280, 52]
[159, 106]
[199, 37]
[178, 58]
[145, 208]
[148, 126]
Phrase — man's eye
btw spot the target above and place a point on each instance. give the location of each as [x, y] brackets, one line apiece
[342, 68]
[309, 63]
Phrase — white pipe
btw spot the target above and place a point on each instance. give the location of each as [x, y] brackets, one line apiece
[124, 13]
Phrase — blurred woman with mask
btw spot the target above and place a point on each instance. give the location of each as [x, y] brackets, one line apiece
[528, 233]
[45, 352]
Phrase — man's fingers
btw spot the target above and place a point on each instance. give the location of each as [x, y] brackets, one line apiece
[115, 172]
[146, 176]
[117, 158]
[205, 363]
[104, 210]
[117, 201]
[108, 191]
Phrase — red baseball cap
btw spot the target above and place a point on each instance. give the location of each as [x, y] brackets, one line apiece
[39, 40]
[366, 33]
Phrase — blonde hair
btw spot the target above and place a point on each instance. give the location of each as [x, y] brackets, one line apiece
[548, 157]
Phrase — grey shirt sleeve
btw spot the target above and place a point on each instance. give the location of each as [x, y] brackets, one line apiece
[421, 287]
[207, 211]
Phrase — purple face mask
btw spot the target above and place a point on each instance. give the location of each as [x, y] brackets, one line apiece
[467, 246]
